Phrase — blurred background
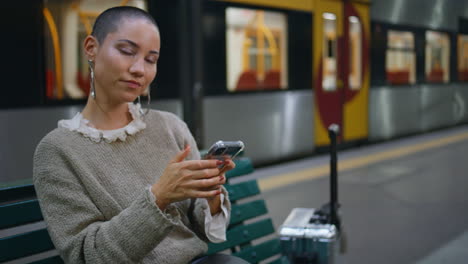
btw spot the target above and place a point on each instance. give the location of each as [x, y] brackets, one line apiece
[272, 73]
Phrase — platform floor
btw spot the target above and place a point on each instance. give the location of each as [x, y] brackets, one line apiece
[404, 201]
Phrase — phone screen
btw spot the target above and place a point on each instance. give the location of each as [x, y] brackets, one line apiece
[225, 149]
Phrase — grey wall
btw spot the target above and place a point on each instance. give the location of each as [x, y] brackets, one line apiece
[22, 129]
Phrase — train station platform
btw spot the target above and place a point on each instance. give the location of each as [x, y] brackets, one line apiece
[403, 201]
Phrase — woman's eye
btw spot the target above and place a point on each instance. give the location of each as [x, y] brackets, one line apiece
[151, 60]
[126, 51]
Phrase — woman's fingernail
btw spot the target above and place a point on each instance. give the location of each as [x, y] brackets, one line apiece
[219, 162]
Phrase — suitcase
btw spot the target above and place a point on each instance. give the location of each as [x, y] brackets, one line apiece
[315, 236]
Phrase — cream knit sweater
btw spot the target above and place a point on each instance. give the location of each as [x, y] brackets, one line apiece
[95, 200]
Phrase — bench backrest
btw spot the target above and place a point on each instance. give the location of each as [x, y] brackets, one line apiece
[19, 208]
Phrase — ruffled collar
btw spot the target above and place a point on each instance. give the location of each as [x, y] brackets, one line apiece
[79, 124]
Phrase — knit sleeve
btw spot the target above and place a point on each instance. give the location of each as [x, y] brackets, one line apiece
[77, 227]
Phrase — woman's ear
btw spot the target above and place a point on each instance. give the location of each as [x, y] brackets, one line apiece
[90, 47]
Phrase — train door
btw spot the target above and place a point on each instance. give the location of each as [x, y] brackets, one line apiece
[356, 73]
[339, 79]
[328, 84]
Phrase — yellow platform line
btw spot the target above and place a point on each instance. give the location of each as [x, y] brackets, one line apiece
[281, 180]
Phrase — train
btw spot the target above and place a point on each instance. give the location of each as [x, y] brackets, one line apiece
[272, 73]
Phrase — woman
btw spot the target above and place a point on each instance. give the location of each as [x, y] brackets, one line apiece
[116, 184]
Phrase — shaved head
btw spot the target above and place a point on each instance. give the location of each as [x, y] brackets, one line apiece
[109, 20]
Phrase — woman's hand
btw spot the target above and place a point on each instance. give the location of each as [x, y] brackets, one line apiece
[189, 179]
[215, 202]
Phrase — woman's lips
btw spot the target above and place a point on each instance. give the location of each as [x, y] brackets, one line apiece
[133, 84]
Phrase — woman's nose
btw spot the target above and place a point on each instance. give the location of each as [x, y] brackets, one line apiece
[138, 67]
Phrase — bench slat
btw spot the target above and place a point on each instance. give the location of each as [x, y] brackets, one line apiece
[246, 211]
[17, 193]
[243, 166]
[242, 190]
[281, 260]
[19, 213]
[51, 260]
[242, 234]
[260, 252]
[25, 245]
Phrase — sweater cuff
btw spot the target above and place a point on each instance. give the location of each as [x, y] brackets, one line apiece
[215, 226]
[170, 213]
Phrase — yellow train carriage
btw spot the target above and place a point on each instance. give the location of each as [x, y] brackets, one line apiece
[341, 74]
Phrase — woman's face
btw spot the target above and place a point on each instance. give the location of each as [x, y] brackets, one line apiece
[125, 63]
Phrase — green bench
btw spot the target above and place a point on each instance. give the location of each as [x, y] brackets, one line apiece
[19, 208]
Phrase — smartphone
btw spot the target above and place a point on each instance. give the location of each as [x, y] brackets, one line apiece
[222, 150]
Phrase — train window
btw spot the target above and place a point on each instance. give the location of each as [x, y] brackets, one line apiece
[329, 52]
[463, 58]
[256, 50]
[400, 58]
[437, 56]
[355, 51]
[67, 23]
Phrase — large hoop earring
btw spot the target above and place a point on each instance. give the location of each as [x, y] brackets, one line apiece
[149, 100]
[138, 103]
[144, 112]
[91, 71]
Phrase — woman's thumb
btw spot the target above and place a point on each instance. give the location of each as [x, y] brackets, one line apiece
[181, 155]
